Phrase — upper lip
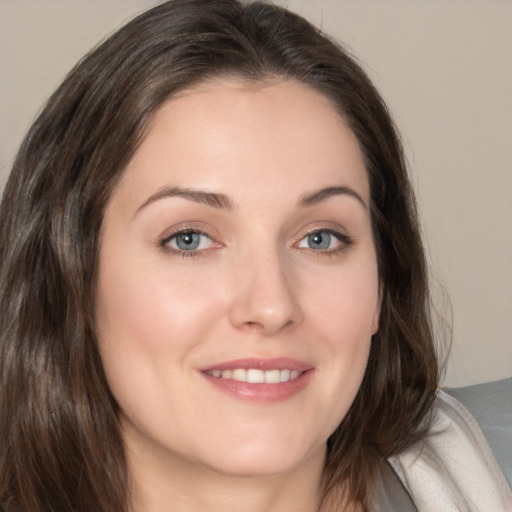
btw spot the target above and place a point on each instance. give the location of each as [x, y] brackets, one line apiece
[279, 363]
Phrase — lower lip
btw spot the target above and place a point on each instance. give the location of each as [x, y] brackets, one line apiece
[262, 392]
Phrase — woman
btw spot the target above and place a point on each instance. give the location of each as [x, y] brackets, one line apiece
[214, 293]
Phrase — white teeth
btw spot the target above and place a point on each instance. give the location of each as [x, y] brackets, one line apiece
[273, 377]
[256, 376]
[285, 375]
[239, 374]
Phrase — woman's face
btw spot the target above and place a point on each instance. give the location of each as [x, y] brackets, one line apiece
[238, 287]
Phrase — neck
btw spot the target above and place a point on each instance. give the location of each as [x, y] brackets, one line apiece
[158, 486]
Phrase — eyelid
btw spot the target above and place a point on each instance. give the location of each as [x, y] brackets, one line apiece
[345, 240]
[163, 240]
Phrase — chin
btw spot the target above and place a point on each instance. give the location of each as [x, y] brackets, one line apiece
[265, 459]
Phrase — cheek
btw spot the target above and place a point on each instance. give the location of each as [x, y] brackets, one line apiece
[148, 305]
[344, 302]
[343, 309]
[149, 319]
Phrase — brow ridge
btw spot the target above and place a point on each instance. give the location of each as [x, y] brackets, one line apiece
[317, 196]
[213, 199]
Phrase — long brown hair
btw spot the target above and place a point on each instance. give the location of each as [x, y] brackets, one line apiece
[60, 446]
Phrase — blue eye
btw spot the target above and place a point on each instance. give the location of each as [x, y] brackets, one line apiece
[323, 240]
[188, 241]
[320, 240]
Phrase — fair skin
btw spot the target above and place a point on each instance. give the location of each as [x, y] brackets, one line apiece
[237, 296]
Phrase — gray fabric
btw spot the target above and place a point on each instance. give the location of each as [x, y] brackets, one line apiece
[391, 495]
[491, 405]
[453, 468]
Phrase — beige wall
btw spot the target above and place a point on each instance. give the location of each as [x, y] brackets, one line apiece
[445, 68]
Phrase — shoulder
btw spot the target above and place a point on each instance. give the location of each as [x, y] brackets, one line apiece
[454, 468]
[491, 406]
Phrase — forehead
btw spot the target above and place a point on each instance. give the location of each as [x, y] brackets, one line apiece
[273, 139]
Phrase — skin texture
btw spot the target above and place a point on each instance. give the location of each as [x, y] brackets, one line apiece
[254, 287]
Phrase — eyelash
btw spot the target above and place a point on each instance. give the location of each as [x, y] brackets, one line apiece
[163, 244]
[345, 241]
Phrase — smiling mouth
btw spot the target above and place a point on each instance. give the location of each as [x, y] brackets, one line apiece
[260, 380]
[256, 376]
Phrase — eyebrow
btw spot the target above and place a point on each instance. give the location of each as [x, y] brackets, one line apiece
[222, 201]
[325, 193]
[213, 199]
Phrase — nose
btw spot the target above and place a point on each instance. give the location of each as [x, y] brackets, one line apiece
[265, 298]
